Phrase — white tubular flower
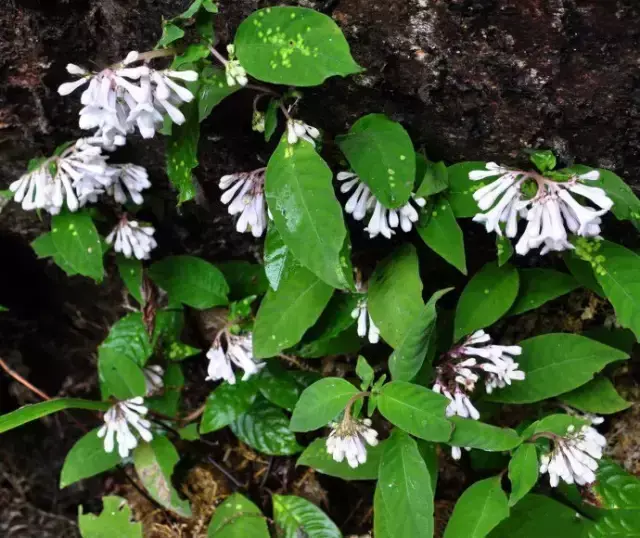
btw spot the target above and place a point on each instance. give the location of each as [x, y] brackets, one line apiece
[236, 74]
[349, 438]
[575, 457]
[366, 326]
[33, 190]
[153, 378]
[492, 169]
[132, 239]
[383, 221]
[456, 452]
[117, 422]
[244, 193]
[297, 130]
[131, 177]
[239, 352]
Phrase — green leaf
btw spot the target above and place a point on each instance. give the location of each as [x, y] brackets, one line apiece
[29, 413]
[461, 188]
[486, 298]
[128, 336]
[395, 294]
[271, 119]
[191, 281]
[403, 503]
[169, 402]
[615, 488]
[226, 403]
[475, 434]
[194, 53]
[320, 403]
[538, 286]
[77, 242]
[277, 257]
[479, 510]
[365, 372]
[417, 410]
[504, 249]
[266, 428]
[626, 205]
[293, 46]
[544, 160]
[213, 89]
[286, 314]
[440, 231]
[115, 520]
[582, 272]
[523, 472]
[616, 524]
[182, 150]
[283, 387]
[154, 463]
[87, 458]
[418, 342]
[317, 457]
[295, 517]
[44, 248]
[380, 151]
[170, 33]
[130, 271]
[598, 396]
[238, 517]
[306, 212]
[434, 180]
[555, 364]
[557, 424]
[244, 279]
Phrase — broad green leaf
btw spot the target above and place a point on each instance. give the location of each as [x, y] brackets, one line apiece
[626, 205]
[277, 257]
[416, 409]
[480, 509]
[395, 294]
[170, 33]
[554, 364]
[475, 434]
[523, 472]
[244, 279]
[380, 151]
[238, 517]
[77, 243]
[538, 286]
[537, 516]
[130, 271]
[295, 517]
[598, 396]
[31, 412]
[418, 343]
[293, 46]
[87, 458]
[616, 488]
[345, 343]
[154, 463]
[403, 503]
[286, 314]
[306, 212]
[622, 339]
[271, 119]
[442, 234]
[44, 248]
[320, 403]
[226, 403]
[213, 89]
[365, 372]
[115, 520]
[182, 150]
[191, 281]
[616, 524]
[461, 188]
[486, 298]
[317, 457]
[283, 387]
[434, 180]
[557, 424]
[266, 428]
[128, 336]
[504, 249]
[582, 272]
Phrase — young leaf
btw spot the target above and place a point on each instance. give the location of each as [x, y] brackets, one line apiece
[418, 343]
[244, 279]
[380, 151]
[435, 179]
[417, 410]
[115, 520]
[555, 364]
[403, 503]
[440, 231]
[87, 458]
[226, 403]
[365, 372]
[295, 517]
[486, 298]
[130, 271]
[538, 286]
[77, 242]
[479, 510]
[461, 188]
[271, 119]
[238, 517]
[523, 472]
[212, 90]
[293, 46]
[154, 463]
[191, 281]
[317, 457]
[306, 212]
[182, 150]
[475, 434]
[395, 294]
[544, 160]
[194, 53]
[320, 403]
[170, 33]
[598, 396]
[277, 257]
[266, 428]
[615, 488]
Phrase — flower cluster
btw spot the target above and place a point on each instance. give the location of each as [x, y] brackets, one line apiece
[383, 221]
[120, 98]
[131, 239]
[235, 73]
[366, 325]
[153, 378]
[550, 213]
[117, 422]
[244, 193]
[297, 130]
[347, 440]
[238, 351]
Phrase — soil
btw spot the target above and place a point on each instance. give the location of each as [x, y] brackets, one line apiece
[470, 79]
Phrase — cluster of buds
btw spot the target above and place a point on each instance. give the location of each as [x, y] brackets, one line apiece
[238, 351]
[131, 239]
[244, 194]
[550, 212]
